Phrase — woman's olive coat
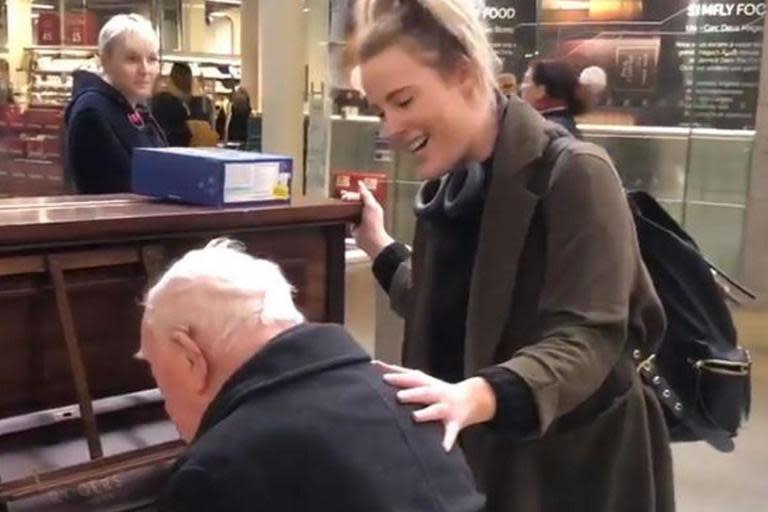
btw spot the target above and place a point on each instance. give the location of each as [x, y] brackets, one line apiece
[560, 296]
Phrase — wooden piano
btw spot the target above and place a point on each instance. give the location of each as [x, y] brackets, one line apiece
[73, 270]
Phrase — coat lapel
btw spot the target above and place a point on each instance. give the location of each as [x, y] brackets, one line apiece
[507, 215]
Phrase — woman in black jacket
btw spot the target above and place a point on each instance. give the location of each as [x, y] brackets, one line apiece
[106, 118]
[552, 87]
[241, 112]
[171, 106]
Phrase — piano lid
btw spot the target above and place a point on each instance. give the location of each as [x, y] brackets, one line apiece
[57, 219]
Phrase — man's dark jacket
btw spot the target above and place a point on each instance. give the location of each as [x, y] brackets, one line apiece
[308, 424]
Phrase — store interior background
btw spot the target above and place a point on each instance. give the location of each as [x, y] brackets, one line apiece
[291, 57]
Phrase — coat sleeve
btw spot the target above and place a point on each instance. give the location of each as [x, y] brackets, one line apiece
[100, 163]
[392, 269]
[401, 291]
[191, 489]
[591, 261]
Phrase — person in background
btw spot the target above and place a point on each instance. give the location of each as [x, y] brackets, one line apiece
[282, 415]
[201, 117]
[525, 304]
[171, 105]
[107, 119]
[240, 114]
[553, 88]
[507, 83]
[6, 86]
[594, 81]
[201, 107]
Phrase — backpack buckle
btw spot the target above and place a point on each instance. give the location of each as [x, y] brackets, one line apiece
[646, 365]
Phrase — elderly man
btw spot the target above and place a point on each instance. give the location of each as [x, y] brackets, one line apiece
[281, 414]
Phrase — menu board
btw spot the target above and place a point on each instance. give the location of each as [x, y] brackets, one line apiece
[511, 28]
[668, 62]
[722, 64]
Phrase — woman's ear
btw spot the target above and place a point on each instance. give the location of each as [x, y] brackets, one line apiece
[467, 77]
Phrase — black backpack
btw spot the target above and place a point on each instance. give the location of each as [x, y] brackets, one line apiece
[699, 373]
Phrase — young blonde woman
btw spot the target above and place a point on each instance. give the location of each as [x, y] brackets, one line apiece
[522, 312]
[107, 118]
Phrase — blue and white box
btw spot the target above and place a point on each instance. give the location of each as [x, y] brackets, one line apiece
[212, 176]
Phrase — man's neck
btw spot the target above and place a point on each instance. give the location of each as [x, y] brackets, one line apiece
[240, 349]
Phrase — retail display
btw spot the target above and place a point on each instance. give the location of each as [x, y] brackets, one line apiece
[49, 72]
[30, 151]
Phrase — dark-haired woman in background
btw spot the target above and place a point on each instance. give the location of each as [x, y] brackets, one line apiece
[553, 88]
[171, 105]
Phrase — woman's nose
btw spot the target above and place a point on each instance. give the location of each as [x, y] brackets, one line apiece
[392, 126]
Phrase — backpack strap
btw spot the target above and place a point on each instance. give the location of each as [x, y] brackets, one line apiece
[552, 162]
[551, 165]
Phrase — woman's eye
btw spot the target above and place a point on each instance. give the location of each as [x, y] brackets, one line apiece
[405, 103]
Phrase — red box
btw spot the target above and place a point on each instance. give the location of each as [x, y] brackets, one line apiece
[48, 29]
[80, 28]
[377, 183]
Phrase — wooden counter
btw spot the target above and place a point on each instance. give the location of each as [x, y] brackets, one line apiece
[73, 270]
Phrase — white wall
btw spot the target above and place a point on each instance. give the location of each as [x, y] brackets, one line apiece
[219, 35]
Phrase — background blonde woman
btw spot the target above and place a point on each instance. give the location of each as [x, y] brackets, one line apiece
[521, 314]
[107, 118]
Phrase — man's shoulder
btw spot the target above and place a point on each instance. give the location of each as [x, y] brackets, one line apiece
[302, 416]
[257, 428]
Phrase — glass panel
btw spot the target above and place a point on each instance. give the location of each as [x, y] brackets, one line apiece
[170, 24]
[719, 168]
[81, 20]
[222, 27]
[100, 11]
[646, 158]
[718, 230]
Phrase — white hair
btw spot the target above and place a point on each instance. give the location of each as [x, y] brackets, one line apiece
[122, 24]
[594, 78]
[215, 289]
